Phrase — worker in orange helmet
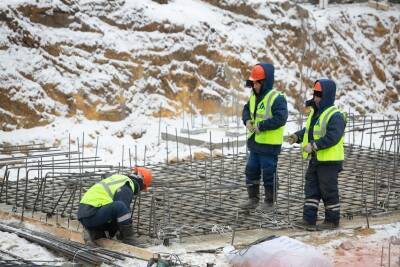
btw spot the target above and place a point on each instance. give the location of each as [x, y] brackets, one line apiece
[104, 208]
[322, 142]
[264, 116]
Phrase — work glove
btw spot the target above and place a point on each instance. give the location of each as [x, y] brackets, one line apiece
[250, 126]
[310, 147]
[291, 139]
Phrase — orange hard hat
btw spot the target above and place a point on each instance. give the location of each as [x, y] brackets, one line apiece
[257, 73]
[146, 174]
[317, 87]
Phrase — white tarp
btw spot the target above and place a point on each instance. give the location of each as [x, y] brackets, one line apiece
[279, 252]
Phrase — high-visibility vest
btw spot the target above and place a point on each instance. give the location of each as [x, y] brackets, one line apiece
[263, 112]
[333, 153]
[103, 192]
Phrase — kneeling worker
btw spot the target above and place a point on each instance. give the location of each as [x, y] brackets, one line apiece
[105, 206]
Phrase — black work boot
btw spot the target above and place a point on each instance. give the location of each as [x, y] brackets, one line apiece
[327, 226]
[254, 197]
[128, 237]
[268, 204]
[303, 224]
[91, 235]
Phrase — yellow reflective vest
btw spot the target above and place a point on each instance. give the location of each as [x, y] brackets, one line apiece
[263, 112]
[333, 153]
[103, 192]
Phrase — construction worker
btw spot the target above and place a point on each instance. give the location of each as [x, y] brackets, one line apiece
[322, 142]
[104, 208]
[264, 116]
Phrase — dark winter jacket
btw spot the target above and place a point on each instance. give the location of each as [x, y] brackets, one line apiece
[279, 114]
[124, 193]
[337, 123]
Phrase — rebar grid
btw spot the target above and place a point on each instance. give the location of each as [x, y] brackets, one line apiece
[198, 203]
[202, 196]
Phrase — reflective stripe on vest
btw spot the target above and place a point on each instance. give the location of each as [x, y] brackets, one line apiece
[320, 129]
[264, 112]
[107, 186]
[305, 136]
[333, 153]
[102, 193]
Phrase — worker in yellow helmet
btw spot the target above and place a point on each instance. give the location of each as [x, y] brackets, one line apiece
[322, 142]
[104, 208]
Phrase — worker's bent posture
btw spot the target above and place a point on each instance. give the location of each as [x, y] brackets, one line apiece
[105, 206]
[322, 143]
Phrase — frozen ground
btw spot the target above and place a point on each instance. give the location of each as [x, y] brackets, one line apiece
[358, 245]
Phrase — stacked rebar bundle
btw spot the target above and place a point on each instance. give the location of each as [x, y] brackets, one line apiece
[202, 196]
[92, 256]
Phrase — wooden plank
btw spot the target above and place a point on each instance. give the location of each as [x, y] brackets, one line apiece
[51, 227]
[140, 253]
[378, 5]
[201, 143]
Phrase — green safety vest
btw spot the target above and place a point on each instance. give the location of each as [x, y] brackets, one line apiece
[333, 153]
[103, 192]
[270, 137]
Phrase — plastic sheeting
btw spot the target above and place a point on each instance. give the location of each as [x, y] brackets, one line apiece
[279, 252]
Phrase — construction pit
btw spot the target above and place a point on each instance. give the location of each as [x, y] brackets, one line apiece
[194, 202]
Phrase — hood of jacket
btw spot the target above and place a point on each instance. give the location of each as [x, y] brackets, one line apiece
[268, 82]
[328, 94]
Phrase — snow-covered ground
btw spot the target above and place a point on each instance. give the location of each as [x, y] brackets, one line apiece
[27, 250]
[89, 86]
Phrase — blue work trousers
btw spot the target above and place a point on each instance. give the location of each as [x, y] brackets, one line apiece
[111, 215]
[322, 183]
[261, 165]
